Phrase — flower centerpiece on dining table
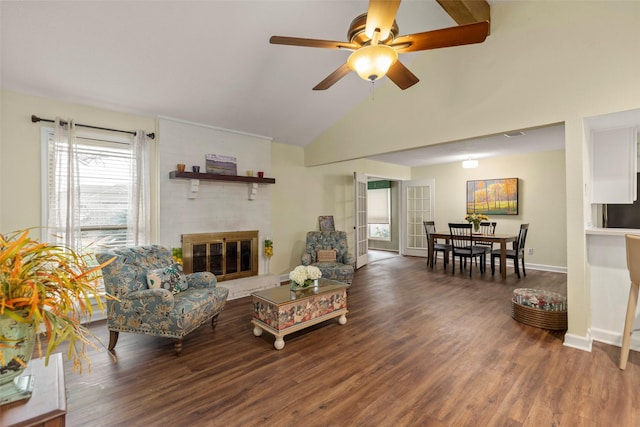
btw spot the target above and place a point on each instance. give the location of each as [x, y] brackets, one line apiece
[476, 219]
[303, 277]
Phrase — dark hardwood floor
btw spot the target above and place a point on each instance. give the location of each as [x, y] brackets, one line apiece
[420, 348]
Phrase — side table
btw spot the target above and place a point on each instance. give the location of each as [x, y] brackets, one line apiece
[47, 405]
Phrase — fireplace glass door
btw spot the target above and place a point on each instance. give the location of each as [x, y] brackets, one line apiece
[227, 255]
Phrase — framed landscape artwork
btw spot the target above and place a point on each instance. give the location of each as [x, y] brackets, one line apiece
[493, 196]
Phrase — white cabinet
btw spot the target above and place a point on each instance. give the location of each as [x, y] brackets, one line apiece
[614, 165]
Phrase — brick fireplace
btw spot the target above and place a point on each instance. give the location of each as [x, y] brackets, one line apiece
[218, 209]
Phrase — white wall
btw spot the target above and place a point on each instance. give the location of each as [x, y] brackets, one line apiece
[301, 194]
[541, 194]
[544, 63]
[218, 205]
[20, 168]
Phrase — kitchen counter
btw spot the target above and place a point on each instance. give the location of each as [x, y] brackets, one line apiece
[611, 231]
[609, 278]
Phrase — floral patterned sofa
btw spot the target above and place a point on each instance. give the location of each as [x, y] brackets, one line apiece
[155, 297]
[333, 244]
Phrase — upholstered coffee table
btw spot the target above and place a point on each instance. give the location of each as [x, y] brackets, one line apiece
[281, 311]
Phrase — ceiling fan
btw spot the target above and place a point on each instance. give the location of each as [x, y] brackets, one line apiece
[374, 41]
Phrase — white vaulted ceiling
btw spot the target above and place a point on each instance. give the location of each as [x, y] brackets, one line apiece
[208, 62]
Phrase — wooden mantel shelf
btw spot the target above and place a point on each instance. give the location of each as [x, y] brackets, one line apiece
[216, 177]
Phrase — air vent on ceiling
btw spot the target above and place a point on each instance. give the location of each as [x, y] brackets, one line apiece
[513, 134]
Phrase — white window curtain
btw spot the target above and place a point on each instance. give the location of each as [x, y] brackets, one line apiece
[64, 199]
[76, 168]
[138, 217]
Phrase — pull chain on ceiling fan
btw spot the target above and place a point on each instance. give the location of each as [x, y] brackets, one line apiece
[373, 39]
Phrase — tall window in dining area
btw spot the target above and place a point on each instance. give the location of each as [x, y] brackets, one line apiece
[94, 194]
[379, 210]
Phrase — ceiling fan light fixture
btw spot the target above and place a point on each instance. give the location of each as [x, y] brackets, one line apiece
[372, 62]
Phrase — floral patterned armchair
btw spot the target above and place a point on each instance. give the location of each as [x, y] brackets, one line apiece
[155, 297]
[329, 251]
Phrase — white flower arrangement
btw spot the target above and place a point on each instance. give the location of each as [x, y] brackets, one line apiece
[303, 276]
[313, 272]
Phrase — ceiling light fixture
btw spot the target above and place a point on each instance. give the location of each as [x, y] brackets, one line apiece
[470, 164]
[372, 62]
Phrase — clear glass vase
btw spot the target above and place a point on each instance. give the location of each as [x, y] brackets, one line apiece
[309, 283]
[16, 347]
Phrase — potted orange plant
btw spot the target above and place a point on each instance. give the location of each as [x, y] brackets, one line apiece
[43, 287]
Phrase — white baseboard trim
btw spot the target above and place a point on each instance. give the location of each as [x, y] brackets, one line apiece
[542, 267]
[578, 342]
[97, 314]
[615, 338]
[528, 266]
[244, 287]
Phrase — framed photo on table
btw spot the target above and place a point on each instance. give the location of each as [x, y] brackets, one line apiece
[326, 223]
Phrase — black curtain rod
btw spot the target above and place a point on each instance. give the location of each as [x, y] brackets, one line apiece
[36, 119]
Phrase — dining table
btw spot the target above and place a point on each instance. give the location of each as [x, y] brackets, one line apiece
[501, 239]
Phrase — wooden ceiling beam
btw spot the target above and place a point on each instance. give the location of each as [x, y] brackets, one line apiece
[467, 11]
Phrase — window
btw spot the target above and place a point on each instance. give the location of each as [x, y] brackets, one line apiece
[378, 210]
[104, 178]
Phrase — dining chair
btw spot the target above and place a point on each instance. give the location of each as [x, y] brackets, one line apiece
[463, 247]
[429, 228]
[515, 254]
[633, 265]
[488, 229]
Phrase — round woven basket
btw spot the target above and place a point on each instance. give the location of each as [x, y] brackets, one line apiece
[539, 308]
[553, 320]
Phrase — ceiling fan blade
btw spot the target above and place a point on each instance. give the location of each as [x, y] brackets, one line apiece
[381, 14]
[446, 37]
[401, 76]
[332, 78]
[325, 44]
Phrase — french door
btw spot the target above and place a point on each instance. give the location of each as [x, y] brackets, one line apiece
[360, 226]
[417, 206]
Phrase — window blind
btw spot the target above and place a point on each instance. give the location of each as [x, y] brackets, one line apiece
[105, 175]
[378, 206]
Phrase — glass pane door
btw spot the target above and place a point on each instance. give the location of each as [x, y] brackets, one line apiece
[418, 207]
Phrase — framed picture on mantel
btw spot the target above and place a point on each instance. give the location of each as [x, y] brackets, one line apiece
[493, 196]
[221, 165]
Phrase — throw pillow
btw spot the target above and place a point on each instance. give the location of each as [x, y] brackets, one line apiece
[171, 278]
[326, 255]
